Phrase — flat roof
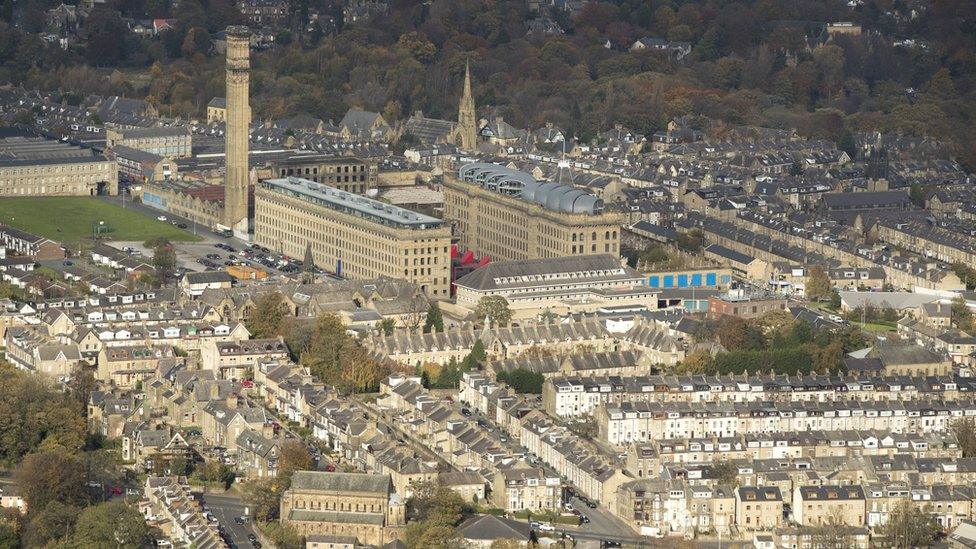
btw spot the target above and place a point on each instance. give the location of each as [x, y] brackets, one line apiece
[352, 204]
[30, 151]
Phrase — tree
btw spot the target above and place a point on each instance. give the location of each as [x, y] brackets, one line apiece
[725, 472]
[493, 308]
[106, 40]
[268, 317]
[164, 261]
[964, 429]
[9, 536]
[435, 320]
[910, 526]
[835, 300]
[691, 241]
[475, 358]
[52, 522]
[585, 427]
[325, 348]
[284, 536]
[523, 381]
[386, 326]
[435, 505]
[337, 359]
[33, 414]
[694, 362]
[110, 524]
[917, 195]
[263, 498]
[216, 473]
[197, 41]
[736, 334]
[962, 316]
[547, 316]
[449, 376]
[53, 474]
[294, 456]
[818, 286]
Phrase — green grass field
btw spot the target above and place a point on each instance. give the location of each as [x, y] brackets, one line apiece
[877, 327]
[73, 220]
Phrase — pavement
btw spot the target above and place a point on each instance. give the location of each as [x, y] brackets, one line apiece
[225, 507]
[189, 254]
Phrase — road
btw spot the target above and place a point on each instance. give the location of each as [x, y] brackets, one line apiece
[225, 508]
[602, 521]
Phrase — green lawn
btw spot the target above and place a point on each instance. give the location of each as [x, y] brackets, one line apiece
[877, 327]
[74, 219]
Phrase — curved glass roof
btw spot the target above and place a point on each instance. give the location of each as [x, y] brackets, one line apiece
[552, 196]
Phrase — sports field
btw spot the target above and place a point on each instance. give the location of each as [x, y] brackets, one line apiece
[75, 219]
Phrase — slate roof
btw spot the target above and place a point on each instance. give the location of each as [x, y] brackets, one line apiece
[731, 255]
[207, 277]
[490, 527]
[866, 200]
[428, 130]
[905, 354]
[341, 482]
[505, 274]
[161, 131]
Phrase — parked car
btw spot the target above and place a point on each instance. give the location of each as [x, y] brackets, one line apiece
[161, 217]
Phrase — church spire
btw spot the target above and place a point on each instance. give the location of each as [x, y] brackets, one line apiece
[466, 133]
[308, 265]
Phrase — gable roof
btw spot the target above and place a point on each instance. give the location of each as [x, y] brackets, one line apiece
[341, 482]
[490, 527]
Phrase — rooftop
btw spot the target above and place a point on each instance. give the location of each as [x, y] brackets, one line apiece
[351, 204]
[516, 184]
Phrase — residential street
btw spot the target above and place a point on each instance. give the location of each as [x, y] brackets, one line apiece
[225, 507]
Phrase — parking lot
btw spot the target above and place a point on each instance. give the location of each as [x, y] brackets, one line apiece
[218, 253]
[193, 255]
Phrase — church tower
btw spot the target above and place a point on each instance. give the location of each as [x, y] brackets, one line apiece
[876, 170]
[466, 134]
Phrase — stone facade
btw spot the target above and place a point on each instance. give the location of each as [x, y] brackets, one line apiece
[508, 228]
[347, 174]
[238, 121]
[348, 504]
[352, 235]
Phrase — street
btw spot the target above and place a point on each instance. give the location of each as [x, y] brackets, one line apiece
[602, 521]
[225, 508]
